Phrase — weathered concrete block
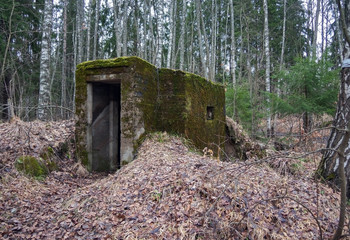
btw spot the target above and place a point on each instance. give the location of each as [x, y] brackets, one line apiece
[119, 100]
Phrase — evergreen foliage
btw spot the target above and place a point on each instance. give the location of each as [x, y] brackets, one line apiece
[310, 87]
[240, 106]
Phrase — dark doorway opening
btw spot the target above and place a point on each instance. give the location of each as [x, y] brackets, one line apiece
[105, 127]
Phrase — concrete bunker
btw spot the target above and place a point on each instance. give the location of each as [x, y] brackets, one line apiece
[120, 100]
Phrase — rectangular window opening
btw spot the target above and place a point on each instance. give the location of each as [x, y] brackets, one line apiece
[210, 113]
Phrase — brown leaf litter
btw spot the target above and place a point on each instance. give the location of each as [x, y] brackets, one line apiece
[168, 192]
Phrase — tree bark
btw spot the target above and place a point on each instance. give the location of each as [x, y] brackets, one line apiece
[117, 28]
[182, 35]
[339, 34]
[268, 70]
[174, 22]
[212, 66]
[343, 183]
[125, 28]
[314, 39]
[3, 84]
[329, 164]
[171, 32]
[80, 18]
[44, 91]
[202, 57]
[64, 62]
[283, 43]
[233, 46]
[88, 40]
[97, 17]
[159, 33]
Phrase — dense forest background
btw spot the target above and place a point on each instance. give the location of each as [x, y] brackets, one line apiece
[275, 57]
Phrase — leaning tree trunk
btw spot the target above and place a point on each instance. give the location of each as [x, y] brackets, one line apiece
[328, 168]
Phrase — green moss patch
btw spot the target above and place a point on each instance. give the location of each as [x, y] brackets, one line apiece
[31, 166]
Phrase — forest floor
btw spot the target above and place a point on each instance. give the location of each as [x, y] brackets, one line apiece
[168, 192]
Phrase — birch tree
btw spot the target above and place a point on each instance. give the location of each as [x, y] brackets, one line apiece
[182, 35]
[171, 33]
[64, 61]
[203, 65]
[44, 91]
[125, 28]
[117, 26]
[88, 37]
[79, 27]
[97, 16]
[268, 70]
[233, 45]
[212, 64]
[315, 34]
[329, 165]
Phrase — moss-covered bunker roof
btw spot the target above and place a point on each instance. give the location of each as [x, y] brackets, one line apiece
[133, 60]
[113, 62]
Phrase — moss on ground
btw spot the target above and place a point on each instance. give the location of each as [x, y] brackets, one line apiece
[31, 166]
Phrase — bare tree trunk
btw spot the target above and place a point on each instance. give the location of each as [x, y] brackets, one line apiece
[4, 61]
[182, 35]
[190, 55]
[206, 42]
[137, 49]
[233, 46]
[151, 35]
[283, 42]
[322, 27]
[158, 60]
[171, 34]
[267, 76]
[278, 87]
[80, 18]
[339, 33]
[145, 31]
[64, 62]
[343, 183]
[223, 64]
[44, 91]
[240, 73]
[203, 64]
[173, 53]
[125, 28]
[330, 162]
[212, 66]
[88, 52]
[97, 16]
[314, 39]
[117, 27]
